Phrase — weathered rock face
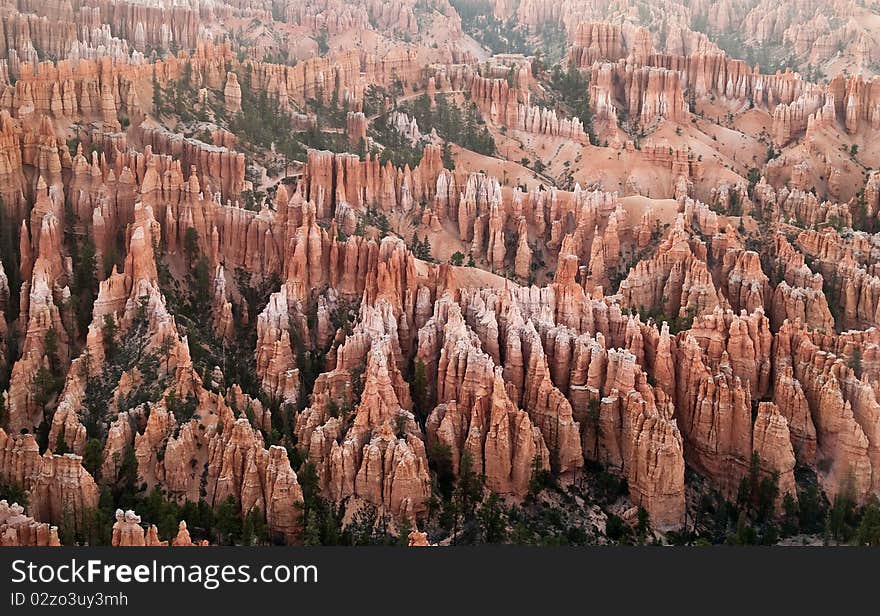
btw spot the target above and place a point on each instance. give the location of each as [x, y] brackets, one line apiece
[526, 371]
[715, 416]
[638, 437]
[20, 460]
[232, 93]
[655, 94]
[523, 260]
[19, 530]
[633, 431]
[772, 445]
[275, 360]
[649, 94]
[282, 489]
[843, 411]
[221, 309]
[742, 341]
[800, 295]
[747, 287]
[183, 539]
[156, 25]
[331, 179]
[852, 285]
[543, 121]
[722, 314]
[238, 466]
[788, 395]
[127, 530]
[356, 128]
[676, 281]
[207, 168]
[418, 540]
[42, 296]
[475, 415]
[378, 453]
[592, 42]
[63, 492]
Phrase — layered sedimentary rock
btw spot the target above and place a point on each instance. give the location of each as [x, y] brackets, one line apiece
[215, 168]
[852, 285]
[635, 431]
[378, 453]
[843, 412]
[596, 41]
[127, 531]
[476, 417]
[800, 295]
[19, 530]
[676, 281]
[235, 463]
[276, 363]
[715, 417]
[232, 93]
[250, 295]
[742, 340]
[772, 446]
[747, 287]
[63, 492]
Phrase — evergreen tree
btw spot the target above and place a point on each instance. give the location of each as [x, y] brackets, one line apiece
[447, 157]
[110, 330]
[254, 530]
[228, 524]
[419, 389]
[440, 461]
[158, 99]
[312, 533]
[790, 515]
[493, 528]
[191, 245]
[840, 519]
[84, 289]
[868, 532]
[9, 257]
[61, 447]
[745, 534]
[50, 347]
[468, 492]
[93, 457]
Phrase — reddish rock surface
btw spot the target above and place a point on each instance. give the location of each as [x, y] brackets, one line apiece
[679, 274]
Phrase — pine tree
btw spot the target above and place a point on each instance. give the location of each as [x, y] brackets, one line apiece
[93, 457]
[109, 331]
[61, 447]
[191, 245]
[50, 348]
[126, 482]
[492, 525]
[448, 158]
[312, 533]
[254, 530]
[85, 283]
[158, 102]
[228, 522]
[868, 532]
[10, 259]
[420, 392]
[469, 489]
